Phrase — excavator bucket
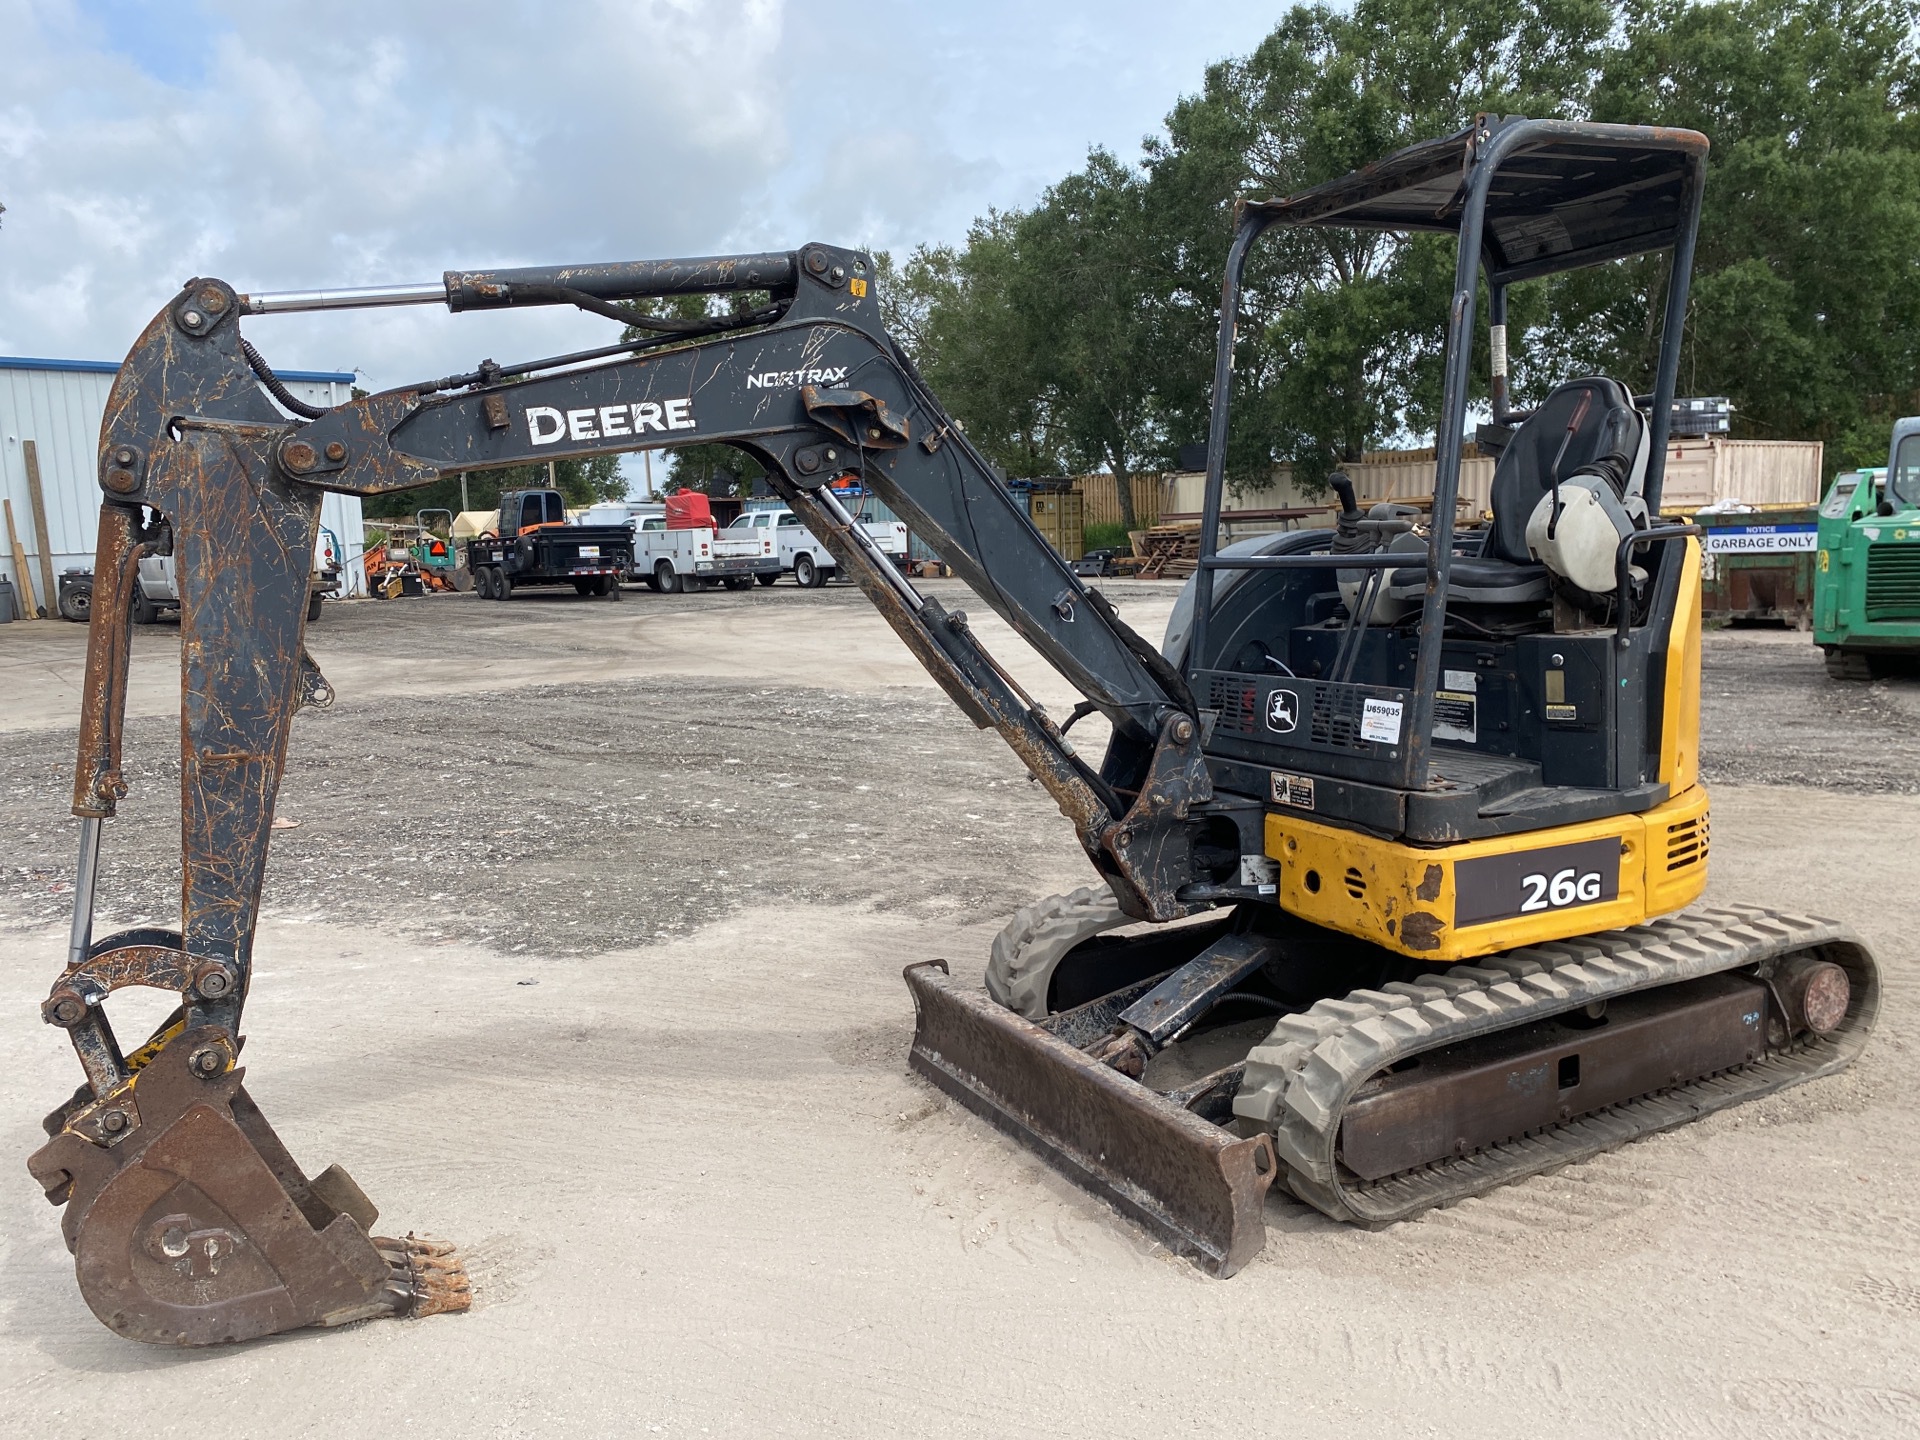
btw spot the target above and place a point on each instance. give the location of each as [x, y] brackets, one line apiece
[1199, 1189]
[190, 1224]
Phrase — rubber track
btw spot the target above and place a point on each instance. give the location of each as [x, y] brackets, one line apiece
[1298, 1081]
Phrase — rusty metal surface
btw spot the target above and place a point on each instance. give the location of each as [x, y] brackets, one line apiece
[200, 1229]
[190, 434]
[1512, 1082]
[1196, 987]
[189, 1222]
[97, 786]
[1197, 1187]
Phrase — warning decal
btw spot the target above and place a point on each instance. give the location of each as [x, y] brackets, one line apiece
[1294, 790]
[1759, 539]
[1454, 716]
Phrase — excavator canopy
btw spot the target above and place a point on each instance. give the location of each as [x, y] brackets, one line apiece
[1565, 194]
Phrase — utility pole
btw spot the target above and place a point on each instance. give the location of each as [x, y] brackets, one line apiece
[464, 505]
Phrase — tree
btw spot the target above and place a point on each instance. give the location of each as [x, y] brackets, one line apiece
[980, 349]
[1092, 287]
[1805, 310]
[580, 482]
[1340, 336]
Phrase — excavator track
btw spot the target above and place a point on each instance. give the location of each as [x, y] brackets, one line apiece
[1299, 1084]
[1459, 1069]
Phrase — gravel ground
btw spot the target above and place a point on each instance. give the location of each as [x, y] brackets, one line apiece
[699, 1191]
[582, 818]
[1771, 716]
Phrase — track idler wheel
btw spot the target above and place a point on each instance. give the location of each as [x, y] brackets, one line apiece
[190, 1224]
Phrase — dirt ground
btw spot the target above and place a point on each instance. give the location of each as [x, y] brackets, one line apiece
[585, 953]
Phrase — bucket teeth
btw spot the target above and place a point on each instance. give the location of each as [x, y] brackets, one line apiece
[432, 1271]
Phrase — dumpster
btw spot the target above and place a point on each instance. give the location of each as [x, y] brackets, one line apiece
[1757, 563]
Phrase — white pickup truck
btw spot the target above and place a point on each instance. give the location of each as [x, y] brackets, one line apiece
[154, 590]
[810, 563]
[689, 559]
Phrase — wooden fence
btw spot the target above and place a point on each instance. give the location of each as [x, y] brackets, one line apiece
[1102, 499]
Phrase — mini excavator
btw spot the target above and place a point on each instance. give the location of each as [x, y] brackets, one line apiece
[1402, 822]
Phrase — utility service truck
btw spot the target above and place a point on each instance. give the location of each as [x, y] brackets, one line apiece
[801, 553]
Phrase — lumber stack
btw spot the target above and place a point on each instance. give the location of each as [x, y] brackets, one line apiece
[1166, 552]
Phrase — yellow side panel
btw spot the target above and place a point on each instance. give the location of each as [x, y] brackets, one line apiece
[1680, 722]
[1678, 835]
[1404, 896]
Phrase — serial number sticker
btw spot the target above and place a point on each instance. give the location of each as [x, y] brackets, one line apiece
[1465, 680]
[1294, 790]
[589, 552]
[1563, 712]
[1535, 882]
[1455, 715]
[1380, 721]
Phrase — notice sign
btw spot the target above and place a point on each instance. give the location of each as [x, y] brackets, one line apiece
[1760, 539]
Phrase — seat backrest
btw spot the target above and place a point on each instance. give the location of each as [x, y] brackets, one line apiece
[1609, 437]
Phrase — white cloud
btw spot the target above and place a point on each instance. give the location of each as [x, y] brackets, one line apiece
[283, 147]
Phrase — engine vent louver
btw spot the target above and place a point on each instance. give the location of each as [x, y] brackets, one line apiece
[1687, 843]
[1336, 717]
[1893, 582]
[1236, 702]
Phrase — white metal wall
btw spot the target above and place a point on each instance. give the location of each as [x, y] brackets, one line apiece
[60, 411]
[59, 406]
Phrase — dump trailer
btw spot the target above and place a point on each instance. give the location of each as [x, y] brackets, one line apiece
[1405, 826]
[1866, 574]
[532, 544]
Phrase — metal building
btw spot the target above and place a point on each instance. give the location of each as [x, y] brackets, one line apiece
[57, 405]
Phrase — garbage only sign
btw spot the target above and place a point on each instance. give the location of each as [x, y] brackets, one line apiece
[1759, 539]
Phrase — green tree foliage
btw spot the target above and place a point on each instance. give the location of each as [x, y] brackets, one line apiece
[1080, 333]
[1806, 309]
[1339, 341]
[581, 481]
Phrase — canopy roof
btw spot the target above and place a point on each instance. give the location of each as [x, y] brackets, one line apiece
[1564, 194]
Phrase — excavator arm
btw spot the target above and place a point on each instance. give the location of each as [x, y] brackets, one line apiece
[189, 1221]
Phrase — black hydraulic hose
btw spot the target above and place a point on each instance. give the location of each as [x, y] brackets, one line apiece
[274, 387]
[567, 295]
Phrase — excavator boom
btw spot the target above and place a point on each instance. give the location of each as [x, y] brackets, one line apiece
[189, 1221]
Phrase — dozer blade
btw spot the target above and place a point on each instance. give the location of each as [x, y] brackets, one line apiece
[190, 1224]
[1200, 1189]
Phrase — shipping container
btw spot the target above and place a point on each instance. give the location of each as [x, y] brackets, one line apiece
[1060, 517]
[1754, 472]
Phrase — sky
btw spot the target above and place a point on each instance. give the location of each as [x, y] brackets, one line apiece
[285, 147]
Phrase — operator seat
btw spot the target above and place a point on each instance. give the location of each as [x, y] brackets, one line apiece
[1587, 430]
